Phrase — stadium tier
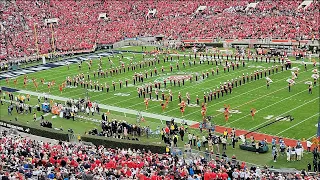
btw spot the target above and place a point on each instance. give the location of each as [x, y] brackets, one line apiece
[25, 158]
[25, 31]
[159, 89]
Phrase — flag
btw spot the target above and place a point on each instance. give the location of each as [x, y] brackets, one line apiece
[318, 131]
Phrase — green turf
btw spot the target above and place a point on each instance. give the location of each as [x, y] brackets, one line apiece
[276, 100]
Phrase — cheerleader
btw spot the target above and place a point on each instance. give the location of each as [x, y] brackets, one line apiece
[167, 101]
[163, 105]
[203, 110]
[182, 107]
[253, 112]
[146, 102]
[49, 86]
[226, 112]
[60, 89]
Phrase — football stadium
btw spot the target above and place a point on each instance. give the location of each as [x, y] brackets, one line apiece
[152, 90]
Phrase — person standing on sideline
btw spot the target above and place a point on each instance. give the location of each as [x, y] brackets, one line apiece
[190, 138]
[34, 116]
[233, 141]
[309, 144]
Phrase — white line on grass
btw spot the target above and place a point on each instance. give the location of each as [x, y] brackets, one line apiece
[237, 96]
[105, 99]
[285, 113]
[117, 109]
[312, 137]
[264, 107]
[297, 124]
[175, 91]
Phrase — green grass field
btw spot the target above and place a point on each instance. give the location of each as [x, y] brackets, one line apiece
[273, 102]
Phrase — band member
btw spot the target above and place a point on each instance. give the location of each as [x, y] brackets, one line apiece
[253, 112]
[179, 96]
[289, 87]
[146, 102]
[188, 98]
[157, 94]
[310, 89]
[268, 84]
[162, 95]
[197, 100]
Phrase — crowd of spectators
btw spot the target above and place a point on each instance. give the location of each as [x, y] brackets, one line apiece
[27, 158]
[79, 27]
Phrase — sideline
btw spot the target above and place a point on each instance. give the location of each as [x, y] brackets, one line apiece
[114, 108]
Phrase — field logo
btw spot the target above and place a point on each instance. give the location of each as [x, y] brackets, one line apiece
[92, 90]
[308, 82]
[193, 105]
[72, 87]
[283, 119]
[259, 67]
[122, 94]
[295, 69]
[149, 59]
[173, 77]
[155, 100]
[268, 117]
[178, 77]
[130, 85]
[231, 111]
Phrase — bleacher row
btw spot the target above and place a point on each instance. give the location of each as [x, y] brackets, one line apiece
[25, 158]
[79, 27]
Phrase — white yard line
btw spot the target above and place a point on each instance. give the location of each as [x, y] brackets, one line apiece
[236, 96]
[168, 85]
[117, 109]
[312, 137]
[284, 113]
[134, 91]
[264, 107]
[176, 91]
[297, 124]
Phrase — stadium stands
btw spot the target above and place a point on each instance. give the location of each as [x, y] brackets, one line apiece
[79, 28]
[23, 158]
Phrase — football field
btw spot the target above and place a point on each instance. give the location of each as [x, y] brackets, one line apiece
[270, 103]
